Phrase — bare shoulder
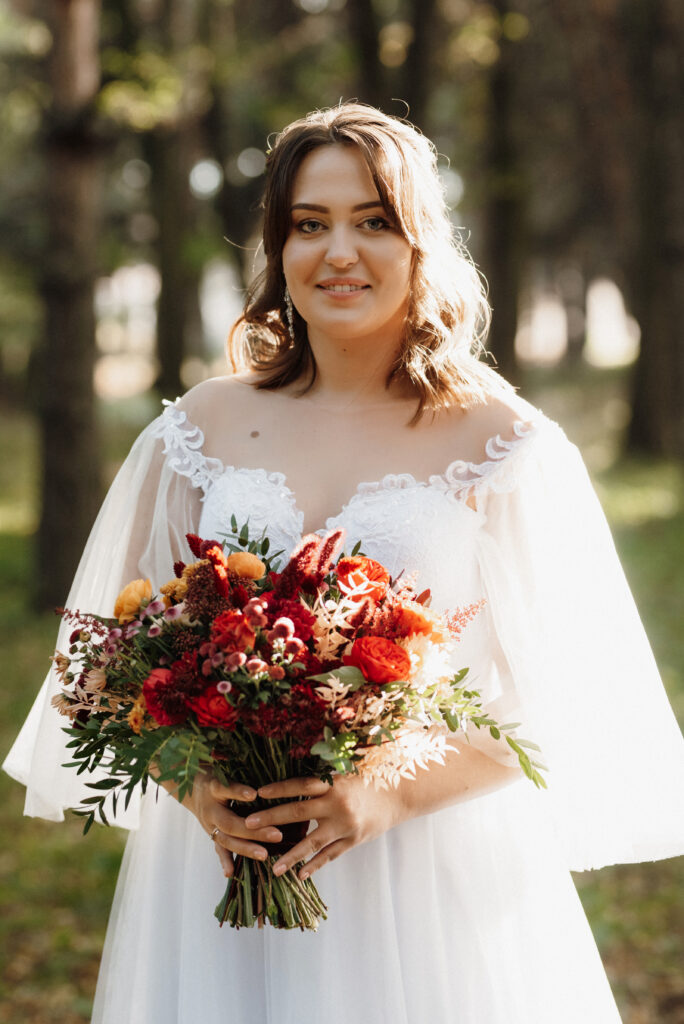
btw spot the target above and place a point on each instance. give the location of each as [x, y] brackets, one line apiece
[214, 398]
[500, 415]
[468, 432]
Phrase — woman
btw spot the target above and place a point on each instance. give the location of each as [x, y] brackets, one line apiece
[450, 898]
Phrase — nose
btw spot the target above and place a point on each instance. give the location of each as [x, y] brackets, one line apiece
[341, 252]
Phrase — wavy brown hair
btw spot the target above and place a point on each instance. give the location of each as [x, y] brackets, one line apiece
[448, 316]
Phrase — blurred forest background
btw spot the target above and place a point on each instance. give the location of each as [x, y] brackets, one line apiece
[134, 135]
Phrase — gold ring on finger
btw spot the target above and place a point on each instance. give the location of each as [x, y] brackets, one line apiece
[214, 834]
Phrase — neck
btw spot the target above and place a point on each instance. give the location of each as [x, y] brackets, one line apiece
[355, 371]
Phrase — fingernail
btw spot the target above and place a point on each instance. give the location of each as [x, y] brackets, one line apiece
[248, 794]
[274, 835]
[261, 853]
[303, 875]
[252, 821]
[279, 869]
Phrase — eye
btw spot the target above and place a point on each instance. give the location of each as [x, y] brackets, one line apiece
[376, 224]
[308, 227]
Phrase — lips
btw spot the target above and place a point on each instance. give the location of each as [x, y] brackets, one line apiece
[341, 286]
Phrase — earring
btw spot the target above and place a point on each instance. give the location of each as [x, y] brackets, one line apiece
[289, 314]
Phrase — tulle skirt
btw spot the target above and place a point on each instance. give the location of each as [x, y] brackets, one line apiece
[466, 916]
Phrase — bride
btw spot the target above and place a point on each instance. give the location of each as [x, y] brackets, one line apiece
[360, 403]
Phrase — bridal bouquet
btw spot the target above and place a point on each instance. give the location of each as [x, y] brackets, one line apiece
[329, 666]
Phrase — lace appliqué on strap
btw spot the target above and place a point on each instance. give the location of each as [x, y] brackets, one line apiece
[463, 480]
[183, 443]
[499, 473]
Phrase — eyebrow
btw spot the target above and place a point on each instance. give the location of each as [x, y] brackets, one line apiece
[326, 209]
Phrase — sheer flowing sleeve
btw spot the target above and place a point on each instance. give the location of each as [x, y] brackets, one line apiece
[582, 679]
[140, 531]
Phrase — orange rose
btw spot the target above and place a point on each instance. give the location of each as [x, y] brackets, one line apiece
[357, 571]
[380, 660]
[231, 631]
[127, 604]
[412, 617]
[245, 564]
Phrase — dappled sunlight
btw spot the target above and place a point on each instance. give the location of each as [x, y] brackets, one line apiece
[125, 304]
[611, 335]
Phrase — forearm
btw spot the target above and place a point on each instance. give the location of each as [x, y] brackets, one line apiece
[171, 787]
[467, 773]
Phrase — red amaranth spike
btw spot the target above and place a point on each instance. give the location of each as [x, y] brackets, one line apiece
[194, 543]
[309, 563]
[178, 568]
[362, 615]
[298, 571]
[328, 549]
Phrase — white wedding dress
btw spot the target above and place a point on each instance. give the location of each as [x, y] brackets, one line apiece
[465, 916]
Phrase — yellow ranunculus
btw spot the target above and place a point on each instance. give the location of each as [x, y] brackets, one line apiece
[128, 602]
[175, 590]
[244, 564]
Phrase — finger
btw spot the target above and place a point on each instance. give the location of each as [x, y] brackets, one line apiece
[233, 791]
[226, 859]
[233, 825]
[331, 852]
[294, 787]
[283, 814]
[240, 846]
[312, 844]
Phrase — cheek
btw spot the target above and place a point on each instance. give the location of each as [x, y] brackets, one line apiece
[298, 260]
[399, 270]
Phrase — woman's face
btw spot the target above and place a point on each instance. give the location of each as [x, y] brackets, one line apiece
[347, 267]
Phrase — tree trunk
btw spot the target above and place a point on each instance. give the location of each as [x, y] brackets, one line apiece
[629, 93]
[171, 155]
[503, 218]
[364, 31]
[70, 474]
[656, 273]
[417, 77]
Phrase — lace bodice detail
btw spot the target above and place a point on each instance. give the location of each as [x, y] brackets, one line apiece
[400, 520]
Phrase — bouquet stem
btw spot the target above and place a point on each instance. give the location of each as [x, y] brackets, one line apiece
[254, 895]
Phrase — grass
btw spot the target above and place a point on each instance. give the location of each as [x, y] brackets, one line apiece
[56, 888]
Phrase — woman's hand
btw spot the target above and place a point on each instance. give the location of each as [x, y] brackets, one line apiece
[347, 813]
[350, 812]
[208, 802]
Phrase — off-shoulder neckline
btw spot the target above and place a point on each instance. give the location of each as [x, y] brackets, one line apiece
[461, 479]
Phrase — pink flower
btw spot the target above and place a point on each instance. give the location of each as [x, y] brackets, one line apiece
[283, 629]
[154, 630]
[254, 613]
[294, 647]
[235, 661]
[224, 686]
[174, 612]
[155, 607]
[255, 666]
